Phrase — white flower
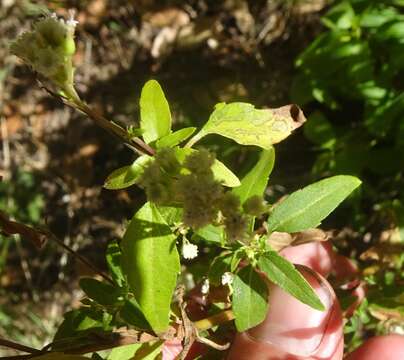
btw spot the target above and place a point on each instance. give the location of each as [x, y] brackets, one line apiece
[227, 278]
[397, 329]
[189, 251]
[205, 287]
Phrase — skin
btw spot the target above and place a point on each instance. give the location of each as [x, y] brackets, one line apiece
[294, 331]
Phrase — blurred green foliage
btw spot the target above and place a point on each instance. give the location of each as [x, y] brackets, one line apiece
[21, 198]
[351, 77]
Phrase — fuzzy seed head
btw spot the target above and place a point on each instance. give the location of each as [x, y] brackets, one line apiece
[254, 205]
[48, 49]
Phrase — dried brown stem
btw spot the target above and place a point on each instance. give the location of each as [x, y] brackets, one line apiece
[79, 257]
[13, 345]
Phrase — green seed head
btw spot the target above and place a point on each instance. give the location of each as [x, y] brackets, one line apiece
[255, 205]
[51, 32]
[48, 49]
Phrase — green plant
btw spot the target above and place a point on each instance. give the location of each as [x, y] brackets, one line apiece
[351, 76]
[194, 202]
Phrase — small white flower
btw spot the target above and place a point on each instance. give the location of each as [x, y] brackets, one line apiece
[189, 251]
[397, 329]
[227, 278]
[71, 22]
[205, 287]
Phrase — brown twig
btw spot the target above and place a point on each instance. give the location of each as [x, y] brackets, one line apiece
[13, 345]
[79, 257]
[134, 143]
[92, 343]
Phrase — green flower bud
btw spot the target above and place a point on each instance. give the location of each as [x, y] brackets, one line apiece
[230, 204]
[235, 226]
[168, 161]
[52, 32]
[48, 49]
[199, 161]
[255, 205]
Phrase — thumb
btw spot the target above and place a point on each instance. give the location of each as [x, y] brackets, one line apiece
[293, 330]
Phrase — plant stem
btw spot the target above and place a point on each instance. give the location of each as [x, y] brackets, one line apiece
[13, 345]
[195, 139]
[220, 318]
[114, 128]
[79, 257]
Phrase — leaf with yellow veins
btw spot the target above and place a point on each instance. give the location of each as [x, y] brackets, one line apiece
[247, 125]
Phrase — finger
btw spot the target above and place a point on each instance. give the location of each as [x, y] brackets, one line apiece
[318, 256]
[293, 330]
[390, 347]
[171, 349]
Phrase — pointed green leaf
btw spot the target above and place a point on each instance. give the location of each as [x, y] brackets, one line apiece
[175, 138]
[306, 208]
[224, 175]
[249, 126]
[100, 292]
[250, 298]
[127, 175]
[255, 182]
[78, 321]
[125, 352]
[283, 273]
[113, 257]
[155, 116]
[218, 267]
[211, 234]
[150, 262]
[132, 314]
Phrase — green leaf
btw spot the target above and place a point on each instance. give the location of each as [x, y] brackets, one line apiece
[125, 352]
[132, 314]
[113, 257]
[150, 262]
[306, 208]
[149, 351]
[128, 175]
[78, 321]
[219, 266]
[172, 215]
[281, 272]
[100, 292]
[249, 126]
[255, 182]
[175, 138]
[250, 298]
[210, 233]
[155, 116]
[224, 175]
[220, 171]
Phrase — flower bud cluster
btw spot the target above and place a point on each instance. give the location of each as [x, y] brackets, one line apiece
[192, 184]
[49, 48]
[198, 190]
[234, 220]
[157, 178]
[255, 206]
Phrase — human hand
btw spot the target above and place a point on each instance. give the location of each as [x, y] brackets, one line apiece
[294, 331]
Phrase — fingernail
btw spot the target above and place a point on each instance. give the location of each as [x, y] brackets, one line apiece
[292, 326]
